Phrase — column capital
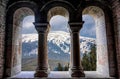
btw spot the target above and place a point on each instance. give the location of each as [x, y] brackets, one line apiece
[41, 27]
[75, 26]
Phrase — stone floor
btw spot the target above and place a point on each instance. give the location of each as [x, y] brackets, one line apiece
[60, 74]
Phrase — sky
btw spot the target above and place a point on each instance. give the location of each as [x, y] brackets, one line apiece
[88, 29]
[60, 23]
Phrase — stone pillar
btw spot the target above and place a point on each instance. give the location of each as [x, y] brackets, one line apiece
[76, 66]
[42, 67]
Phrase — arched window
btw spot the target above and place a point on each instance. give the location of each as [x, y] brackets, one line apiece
[58, 39]
[101, 39]
[59, 44]
[14, 24]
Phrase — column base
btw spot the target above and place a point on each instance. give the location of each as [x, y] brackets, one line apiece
[41, 73]
[77, 73]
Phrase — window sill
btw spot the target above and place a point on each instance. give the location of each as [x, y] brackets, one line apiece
[60, 74]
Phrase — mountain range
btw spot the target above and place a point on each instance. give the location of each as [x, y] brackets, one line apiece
[58, 45]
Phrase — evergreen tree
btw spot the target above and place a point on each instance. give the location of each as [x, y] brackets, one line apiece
[59, 68]
[85, 62]
[89, 60]
[66, 68]
[93, 58]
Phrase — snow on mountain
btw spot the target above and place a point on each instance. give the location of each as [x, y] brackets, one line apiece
[58, 44]
[29, 37]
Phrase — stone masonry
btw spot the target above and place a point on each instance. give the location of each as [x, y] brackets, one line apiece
[116, 16]
[111, 25]
[2, 35]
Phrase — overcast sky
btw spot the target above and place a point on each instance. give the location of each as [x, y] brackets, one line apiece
[60, 23]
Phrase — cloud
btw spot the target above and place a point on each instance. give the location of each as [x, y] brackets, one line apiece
[27, 25]
[58, 23]
[88, 29]
[28, 22]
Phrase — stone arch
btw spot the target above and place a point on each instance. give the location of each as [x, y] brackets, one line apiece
[43, 28]
[104, 35]
[58, 11]
[74, 26]
[52, 4]
[14, 15]
[102, 52]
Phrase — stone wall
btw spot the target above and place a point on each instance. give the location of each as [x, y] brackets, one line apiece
[17, 38]
[101, 39]
[2, 30]
[102, 52]
[116, 16]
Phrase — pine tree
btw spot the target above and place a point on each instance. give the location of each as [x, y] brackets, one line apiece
[89, 60]
[85, 62]
[93, 58]
[66, 68]
[59, 68]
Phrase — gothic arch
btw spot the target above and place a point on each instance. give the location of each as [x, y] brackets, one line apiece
[12, 32]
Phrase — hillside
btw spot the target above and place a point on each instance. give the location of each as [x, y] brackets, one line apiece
[58, 47]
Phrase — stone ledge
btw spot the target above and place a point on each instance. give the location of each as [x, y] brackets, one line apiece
[59, 75]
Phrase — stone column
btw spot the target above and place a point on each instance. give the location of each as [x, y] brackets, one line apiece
[75, 65]
[42, 67]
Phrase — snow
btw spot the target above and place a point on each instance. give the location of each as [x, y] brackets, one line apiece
[60, 39]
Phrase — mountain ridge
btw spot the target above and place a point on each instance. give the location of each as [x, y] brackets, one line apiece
[58, 45]
[58, 49]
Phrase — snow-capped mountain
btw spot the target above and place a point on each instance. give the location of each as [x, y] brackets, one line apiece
[58, 45]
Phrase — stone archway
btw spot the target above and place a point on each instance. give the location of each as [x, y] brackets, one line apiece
[58, 11]
[42, 26]
[43, 29]
[14, 18]
[58, 21]
[104, 43]
[17, 38]
[102, 53]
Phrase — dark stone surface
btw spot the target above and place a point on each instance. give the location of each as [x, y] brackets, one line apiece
[111, 10]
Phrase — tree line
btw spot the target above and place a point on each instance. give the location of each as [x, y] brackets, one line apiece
[88, 61]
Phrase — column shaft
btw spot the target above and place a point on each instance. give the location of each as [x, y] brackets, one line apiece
[42, 68]
[42, 51]
[75, 49]
[76, 66]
